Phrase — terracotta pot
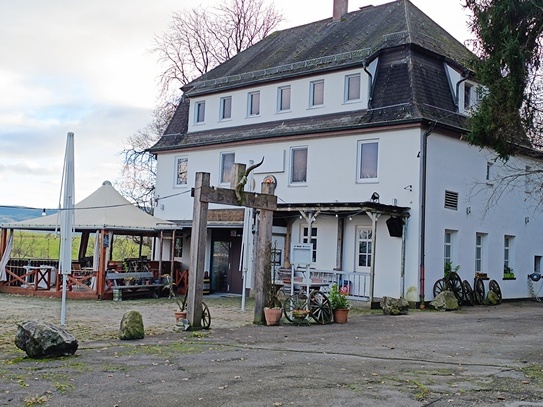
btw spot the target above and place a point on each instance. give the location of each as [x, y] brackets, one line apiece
[179, 315]
[272, 315]
[340, 316]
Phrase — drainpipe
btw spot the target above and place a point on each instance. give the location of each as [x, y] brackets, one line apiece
[370, 98]
[423, 215]
[457, 97]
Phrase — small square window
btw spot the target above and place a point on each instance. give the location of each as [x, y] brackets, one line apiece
[317, 93]
[200, 109]
[226, 108]
[352, 87]
[254, 103]
[284, 98]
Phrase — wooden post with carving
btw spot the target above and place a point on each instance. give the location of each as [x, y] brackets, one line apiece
[263, 256]
[204, 194]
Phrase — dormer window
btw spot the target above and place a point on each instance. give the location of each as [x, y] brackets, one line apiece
[316, 97]
[283, 99]
[226, 108]
[254, 103]
[468, 89]
[352, 88]
[200, 112]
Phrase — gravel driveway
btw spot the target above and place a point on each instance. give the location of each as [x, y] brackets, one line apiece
[478, 356]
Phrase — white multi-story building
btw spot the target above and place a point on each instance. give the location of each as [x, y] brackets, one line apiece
[360, 119]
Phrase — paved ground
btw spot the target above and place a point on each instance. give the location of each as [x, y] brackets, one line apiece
[479, 356]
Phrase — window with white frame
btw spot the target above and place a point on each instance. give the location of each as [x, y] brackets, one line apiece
[528, 180]
[479, 252]
[227, 163]
[283, 98]
[310, 238]
[448, 248]
[254, 103]
[352, 88]
[298, 165]
[508, 254]
[468, 89]
[368, 160]
[181, 170]
[316, 93]
[489, 175]
[226, 108]
[200, 112]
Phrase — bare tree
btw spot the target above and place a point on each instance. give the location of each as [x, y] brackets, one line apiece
[196, 41]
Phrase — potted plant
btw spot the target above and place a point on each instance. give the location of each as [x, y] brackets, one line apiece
[508, 273]
[180, 312]
[340, 303]
[272, 308]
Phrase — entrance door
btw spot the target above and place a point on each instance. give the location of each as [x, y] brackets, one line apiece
[364, 249]
[225, 252]
[364, 259]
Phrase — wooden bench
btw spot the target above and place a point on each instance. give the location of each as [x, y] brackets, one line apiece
[134, 283]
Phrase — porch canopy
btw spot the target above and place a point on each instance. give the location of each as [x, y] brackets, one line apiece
[105, 212]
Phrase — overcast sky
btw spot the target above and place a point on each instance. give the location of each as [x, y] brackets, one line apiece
[85, 67]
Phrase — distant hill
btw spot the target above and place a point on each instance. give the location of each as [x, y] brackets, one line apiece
[16, 214]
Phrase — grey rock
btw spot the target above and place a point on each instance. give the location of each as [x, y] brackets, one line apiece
[44, 340]
[394, 306]
[492, 298]
[445, 301]
[131, 326]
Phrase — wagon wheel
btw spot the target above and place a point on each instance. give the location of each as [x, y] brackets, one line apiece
[320, 308]
[439, 286]
[468, 293]
[293, 303]
[495, 287]
[206, 316]
[455, 285]
[479, 291]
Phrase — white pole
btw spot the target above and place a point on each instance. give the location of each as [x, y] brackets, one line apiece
[66, 222]
[246, 241]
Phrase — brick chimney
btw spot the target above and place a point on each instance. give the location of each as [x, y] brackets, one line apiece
[340, 9]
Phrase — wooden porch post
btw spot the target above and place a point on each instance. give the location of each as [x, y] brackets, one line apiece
[197, 252]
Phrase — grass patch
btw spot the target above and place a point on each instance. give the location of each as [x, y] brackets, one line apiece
[422, 390]
[534, 372]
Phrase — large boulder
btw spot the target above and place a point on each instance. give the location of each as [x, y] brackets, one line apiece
[492, 298]
[131, 326]
[44, 340]
[394, 306]
[445, 301]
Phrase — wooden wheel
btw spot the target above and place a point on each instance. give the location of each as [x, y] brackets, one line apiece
[479, 291]
[293, 306]
[320, 308]
[440, 286]
[455, 285]
[495, 287]
[206, 316]
[468, 293]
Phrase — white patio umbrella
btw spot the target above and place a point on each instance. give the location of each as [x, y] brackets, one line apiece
[66, 221]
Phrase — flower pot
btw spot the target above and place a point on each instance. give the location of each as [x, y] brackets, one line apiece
[179, 315]
[340, 315]
[272, 315]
